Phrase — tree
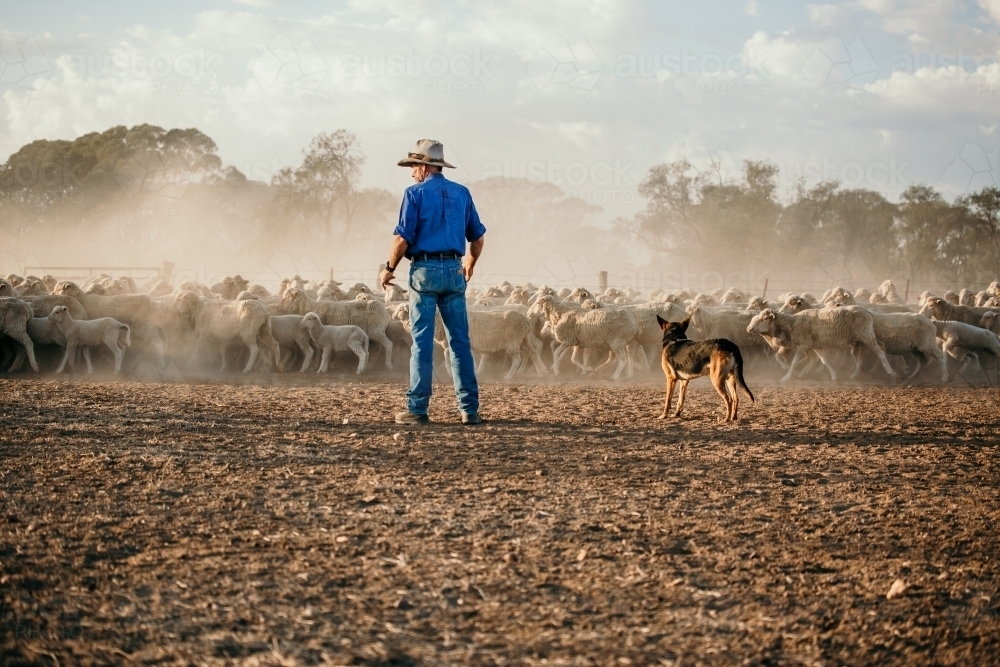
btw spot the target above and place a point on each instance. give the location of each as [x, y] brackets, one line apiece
[322, 194]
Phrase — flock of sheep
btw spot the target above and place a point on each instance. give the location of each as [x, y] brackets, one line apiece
[194, 325]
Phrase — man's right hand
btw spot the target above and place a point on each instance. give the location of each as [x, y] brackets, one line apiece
[385, 278]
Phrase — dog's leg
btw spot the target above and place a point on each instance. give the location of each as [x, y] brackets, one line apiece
[719, 382]
[735, 403]
[680, 398]
[670, 395]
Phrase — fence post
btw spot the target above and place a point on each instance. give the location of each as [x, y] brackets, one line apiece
[167, 270]
[906, 294]
[331, 274]
[602, 280]
[764, 295]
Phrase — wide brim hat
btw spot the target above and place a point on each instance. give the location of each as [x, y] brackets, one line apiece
[427, 151]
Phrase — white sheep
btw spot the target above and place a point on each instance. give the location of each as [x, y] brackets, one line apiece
[224, 323]
[991, 321]
[289, 333]
[820, 330]
[495, 331]
[14, 317]
[42, 331]
[604, 328]
[371, 316]
[966, 342]
[909, 333]
[136, 310]
[86, 334]
[330, 339]
[940, 309]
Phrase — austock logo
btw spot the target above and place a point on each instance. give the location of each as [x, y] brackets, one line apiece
[283, 64]
[973, 169]
[21, 63]
[834, 62]
[560, 63]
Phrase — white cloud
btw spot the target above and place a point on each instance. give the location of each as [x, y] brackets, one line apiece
[750, 8]
[992, 8]
[263, 86]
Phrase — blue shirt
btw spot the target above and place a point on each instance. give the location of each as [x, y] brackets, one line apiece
[438, 216]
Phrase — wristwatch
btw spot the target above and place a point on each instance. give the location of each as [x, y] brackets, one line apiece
[390, 268]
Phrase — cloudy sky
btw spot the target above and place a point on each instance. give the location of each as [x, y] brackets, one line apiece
[875, 93]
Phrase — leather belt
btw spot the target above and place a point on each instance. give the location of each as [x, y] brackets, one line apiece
[433, 255]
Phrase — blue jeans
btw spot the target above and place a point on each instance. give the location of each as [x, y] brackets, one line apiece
[439, 284]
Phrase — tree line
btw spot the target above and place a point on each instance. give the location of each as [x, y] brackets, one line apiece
[699, 215]
[150, 192]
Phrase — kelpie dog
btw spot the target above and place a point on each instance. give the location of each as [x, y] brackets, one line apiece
[684, 360]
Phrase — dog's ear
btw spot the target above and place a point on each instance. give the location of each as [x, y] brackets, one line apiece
[684, 324]
[662, 322]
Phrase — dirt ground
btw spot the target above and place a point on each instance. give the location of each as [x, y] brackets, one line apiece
[279, 520]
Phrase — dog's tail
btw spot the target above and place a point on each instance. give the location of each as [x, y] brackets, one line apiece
[739, 372]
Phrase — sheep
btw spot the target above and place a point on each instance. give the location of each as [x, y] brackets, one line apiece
[223, 324]
[962, 341]
[862, 295]
[838, 296]
[356, 289]
[43, 305]
[246, 296]
[395, 293]
[794, 304]
[981, 298]
[580, 294]
[31, 287]
[909, 333]
[136, 310]
[160, 288]
[493, 331]
[991, 321]
[966, 297]
[606, 327]
[14, 317]
[42, 331]
[940, 309]
[728, 324]
[371, 316]
[703, 300]
[518, 296]
[229, 287]
[951, 297]
[330, 339]
[258, 291]
[733, 296]
[197, 288]
[287, 331]
[325, 293]
[819, 330]
[888, 290]
[106, 331]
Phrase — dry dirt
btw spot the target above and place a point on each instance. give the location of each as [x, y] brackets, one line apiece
[279, 520]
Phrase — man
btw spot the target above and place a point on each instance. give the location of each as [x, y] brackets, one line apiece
[436, 218]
